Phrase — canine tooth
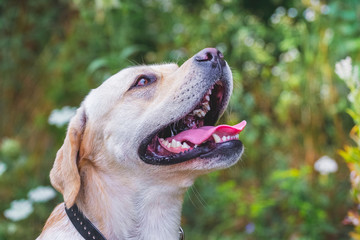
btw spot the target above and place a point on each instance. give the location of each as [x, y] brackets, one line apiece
[207, 97]
[216, 138]
[224, 138]
[185, 145]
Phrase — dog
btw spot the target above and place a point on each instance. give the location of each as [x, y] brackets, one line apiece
[135, 145]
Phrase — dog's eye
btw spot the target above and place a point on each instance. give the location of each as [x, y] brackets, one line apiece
[144, 80]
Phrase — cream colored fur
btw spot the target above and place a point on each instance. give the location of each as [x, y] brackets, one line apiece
[98, 166]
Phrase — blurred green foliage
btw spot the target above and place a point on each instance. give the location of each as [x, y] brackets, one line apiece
[350, 75]
[282, 54]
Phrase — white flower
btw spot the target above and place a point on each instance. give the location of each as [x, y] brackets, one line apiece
[19, 209]
[60, 117]
[292, 12]
[275, 18]
[41, 194]
[3, 168]
[344, 69]
[309, 15]
[350, 75]
[325, 9]
[325, 165]
[276, 71]
[280, 11]
[290, 55]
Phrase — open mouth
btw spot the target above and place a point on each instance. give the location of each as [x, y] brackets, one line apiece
[193, 135]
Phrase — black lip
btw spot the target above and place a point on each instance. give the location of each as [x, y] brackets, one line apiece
[204, 151]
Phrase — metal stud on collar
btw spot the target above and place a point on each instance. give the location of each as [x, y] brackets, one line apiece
[181, 234]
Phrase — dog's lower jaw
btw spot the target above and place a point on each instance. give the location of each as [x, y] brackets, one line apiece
[131, 207]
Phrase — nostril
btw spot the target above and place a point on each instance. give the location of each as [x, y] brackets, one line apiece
[221, 56]
[209, 56]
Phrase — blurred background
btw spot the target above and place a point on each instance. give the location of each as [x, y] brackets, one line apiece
[298, 178]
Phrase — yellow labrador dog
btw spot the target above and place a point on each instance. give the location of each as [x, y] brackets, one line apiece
[135, 145]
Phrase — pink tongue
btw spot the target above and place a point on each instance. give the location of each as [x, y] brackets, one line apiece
[199, 135]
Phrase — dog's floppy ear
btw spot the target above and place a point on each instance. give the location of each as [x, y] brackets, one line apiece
[65, 175]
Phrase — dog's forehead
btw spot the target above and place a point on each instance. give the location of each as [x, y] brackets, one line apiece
[100, 99]
[129, 74]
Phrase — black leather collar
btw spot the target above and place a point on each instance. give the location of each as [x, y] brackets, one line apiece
[87, 230]
[83, 225]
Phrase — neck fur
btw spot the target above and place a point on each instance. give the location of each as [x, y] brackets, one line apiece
[129, 206]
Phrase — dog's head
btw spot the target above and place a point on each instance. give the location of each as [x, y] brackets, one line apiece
[156, 120]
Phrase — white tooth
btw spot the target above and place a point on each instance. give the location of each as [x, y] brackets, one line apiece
[195, 146]
[228, 137]
[207, 97]
[203, 113]
[175, 143]
[161, 140]
[198, 113]
[224, 138]
[216, 138]
[206, 105]
[236, 136]
[168, 144]
[185, 145]
[210, 91]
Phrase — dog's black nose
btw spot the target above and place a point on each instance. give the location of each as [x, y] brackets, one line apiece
[210, 55]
